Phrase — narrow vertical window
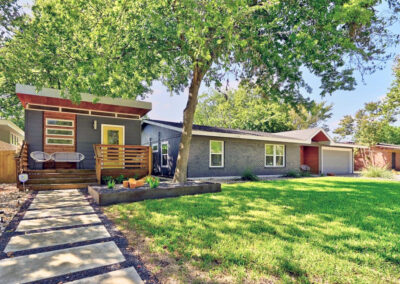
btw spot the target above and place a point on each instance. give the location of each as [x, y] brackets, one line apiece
[164, 154]
[216, 154]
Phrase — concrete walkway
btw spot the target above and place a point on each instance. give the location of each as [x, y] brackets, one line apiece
[59, 235]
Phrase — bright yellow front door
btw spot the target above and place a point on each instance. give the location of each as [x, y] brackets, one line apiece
[113, 135]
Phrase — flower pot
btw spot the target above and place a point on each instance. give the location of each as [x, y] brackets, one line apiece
[125, 183]
[139, 182]
[132, 183]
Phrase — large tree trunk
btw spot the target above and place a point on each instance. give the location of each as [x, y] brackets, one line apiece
[188, 116]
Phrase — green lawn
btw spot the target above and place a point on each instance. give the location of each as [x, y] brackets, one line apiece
[335, 230]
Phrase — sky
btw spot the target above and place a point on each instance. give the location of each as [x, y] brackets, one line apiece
[374, 87]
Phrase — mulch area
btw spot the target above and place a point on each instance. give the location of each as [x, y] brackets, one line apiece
[11, 200]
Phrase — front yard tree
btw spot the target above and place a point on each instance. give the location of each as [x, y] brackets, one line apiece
[118, 48]
[248, 108]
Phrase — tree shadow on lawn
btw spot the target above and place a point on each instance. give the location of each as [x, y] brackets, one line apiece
[326, 214]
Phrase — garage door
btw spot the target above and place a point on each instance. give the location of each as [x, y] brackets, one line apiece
[337, 160]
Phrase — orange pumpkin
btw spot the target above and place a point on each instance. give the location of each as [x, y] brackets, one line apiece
[125, 183]
[139, 182]
[132, 183]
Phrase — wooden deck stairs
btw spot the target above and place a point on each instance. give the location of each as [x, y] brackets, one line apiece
[60, 179]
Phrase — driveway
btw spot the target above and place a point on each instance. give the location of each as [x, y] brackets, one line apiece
[62, 237]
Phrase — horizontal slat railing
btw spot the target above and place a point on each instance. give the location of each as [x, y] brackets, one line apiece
[117, 159]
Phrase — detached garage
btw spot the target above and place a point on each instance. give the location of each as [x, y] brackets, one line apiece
[336, 160]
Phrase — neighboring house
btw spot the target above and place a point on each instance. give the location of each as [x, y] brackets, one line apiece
[225, 152]
[381, 155]
[11, 133]
[55, 124]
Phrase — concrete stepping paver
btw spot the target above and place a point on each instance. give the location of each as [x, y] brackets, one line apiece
[54, 198]
[57, 204]
[53, 238]
[57, 212]
[54, 263]
[59, 192]
[123, 276]
[56, 222]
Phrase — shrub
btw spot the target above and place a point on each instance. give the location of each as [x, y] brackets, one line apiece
[377, 172]
[153, 181]
[111, 184]
[305, 174]
[120, 178]
[293, 174]
[248, 175]
[106, 179]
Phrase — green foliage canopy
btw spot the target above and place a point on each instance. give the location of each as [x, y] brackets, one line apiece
[247, 108]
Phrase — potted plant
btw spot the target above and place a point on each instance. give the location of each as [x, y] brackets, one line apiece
[153, 182]
[111, 184]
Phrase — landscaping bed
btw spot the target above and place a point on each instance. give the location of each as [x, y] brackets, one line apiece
[11, 200]
[119, 194]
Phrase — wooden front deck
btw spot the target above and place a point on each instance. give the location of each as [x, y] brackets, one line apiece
[111, 160]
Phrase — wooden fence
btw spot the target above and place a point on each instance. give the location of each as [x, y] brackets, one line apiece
[7, 166]
[128, 160]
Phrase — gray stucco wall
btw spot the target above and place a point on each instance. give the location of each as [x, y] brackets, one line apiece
[239, 155]
[158, 135]
[86, 136]
[34, 133]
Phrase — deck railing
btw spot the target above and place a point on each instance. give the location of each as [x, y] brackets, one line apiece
[21, 161]
[129, 160]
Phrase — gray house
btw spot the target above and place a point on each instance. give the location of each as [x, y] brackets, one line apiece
[55, 124]
[221, 152]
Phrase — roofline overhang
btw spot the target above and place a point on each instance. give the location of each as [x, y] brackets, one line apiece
[227, 135]
[55, 93]
[13, 126]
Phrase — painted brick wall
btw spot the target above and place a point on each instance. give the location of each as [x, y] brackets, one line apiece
[157, 135]
[239, 155]
[382, 157]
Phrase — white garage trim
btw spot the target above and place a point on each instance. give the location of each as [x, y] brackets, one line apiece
[337, 149]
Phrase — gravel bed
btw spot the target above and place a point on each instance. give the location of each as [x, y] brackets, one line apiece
[11, 200]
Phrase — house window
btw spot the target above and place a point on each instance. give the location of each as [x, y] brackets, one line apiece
[164, 154]
[154, 147]
[59, 141]
[216, 154]
[14, 139]
[59, 132]
[59, 122]
[274, 155]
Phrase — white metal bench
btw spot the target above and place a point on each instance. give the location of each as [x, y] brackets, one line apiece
[68, 157]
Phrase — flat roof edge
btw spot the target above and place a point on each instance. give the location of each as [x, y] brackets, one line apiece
[55, 93]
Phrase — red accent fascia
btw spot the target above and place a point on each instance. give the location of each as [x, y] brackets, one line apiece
[39, 100]
[320, 137]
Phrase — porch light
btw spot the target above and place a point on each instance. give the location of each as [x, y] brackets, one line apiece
[94, 124]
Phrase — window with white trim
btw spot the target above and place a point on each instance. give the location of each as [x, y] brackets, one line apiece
[216, 154]
[164, 154]
[59, 141]
[59, 122]
[274, 155]
[59, 132]
[154, 147]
